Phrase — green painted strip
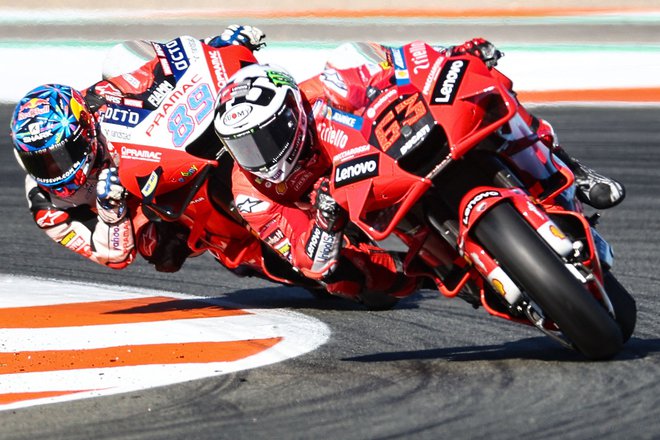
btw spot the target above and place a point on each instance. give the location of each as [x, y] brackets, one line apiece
[40, 18]
[526, 47]
[583, 47]
[24, 44]
[613, 20]
[312, 45]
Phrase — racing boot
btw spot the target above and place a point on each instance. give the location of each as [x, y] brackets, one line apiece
[592, 188]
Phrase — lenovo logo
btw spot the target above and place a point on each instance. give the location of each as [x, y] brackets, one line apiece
[448, 82]
[356, 170]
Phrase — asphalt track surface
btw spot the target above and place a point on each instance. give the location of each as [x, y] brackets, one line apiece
[431, 368]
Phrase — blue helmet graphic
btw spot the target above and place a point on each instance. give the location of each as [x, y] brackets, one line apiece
[54, 137]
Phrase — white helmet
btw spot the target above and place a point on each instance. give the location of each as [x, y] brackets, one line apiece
[260, 119]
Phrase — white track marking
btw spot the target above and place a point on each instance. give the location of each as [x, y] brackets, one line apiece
[299, 334]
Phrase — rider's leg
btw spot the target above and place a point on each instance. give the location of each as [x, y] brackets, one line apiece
[594, 189]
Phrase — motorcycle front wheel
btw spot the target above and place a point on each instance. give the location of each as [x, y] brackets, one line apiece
[542, 274]
[625, 307]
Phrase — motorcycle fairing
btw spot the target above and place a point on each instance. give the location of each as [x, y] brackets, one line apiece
[388, 117]
[145, 138]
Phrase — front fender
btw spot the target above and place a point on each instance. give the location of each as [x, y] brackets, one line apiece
[479, 200]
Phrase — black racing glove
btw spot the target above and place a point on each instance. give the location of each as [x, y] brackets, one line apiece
[165, 245]
[330, 217]
[483, 49]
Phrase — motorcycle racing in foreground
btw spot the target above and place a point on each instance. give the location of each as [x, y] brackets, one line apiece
[169, 157]
[444, 161]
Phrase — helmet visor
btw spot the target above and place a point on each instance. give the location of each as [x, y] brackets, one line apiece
[265, 146]
[56, 164]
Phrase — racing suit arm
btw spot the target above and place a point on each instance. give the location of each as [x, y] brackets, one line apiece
[288, 229]
[296, 237]
[82, 231]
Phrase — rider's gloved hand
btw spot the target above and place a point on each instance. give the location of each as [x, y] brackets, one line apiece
[110, 196]
[481, 48]
[330, 217]
[249, 36]
[165, 245]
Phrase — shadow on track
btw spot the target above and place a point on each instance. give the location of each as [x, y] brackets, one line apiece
[537, 348]
[294, 298]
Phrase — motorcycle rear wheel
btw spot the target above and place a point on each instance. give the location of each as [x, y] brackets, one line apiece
[541, 273]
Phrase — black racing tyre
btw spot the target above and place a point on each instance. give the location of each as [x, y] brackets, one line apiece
[541, 273]
[625, 307]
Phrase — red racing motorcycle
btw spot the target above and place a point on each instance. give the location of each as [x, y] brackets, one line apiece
[443, 161]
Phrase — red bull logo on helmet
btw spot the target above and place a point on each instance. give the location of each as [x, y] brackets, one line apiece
[34, 107]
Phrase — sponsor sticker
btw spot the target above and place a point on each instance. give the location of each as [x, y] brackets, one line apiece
[237, 114]
[448, 82]
[419, 56]
[400, 69]
[333, 136]
[380, 102]
[135, 154]
[159, 93]
[48, 218]
[355, 170]
[219, 70]
[150, 185]
[34, 107]
[67, 238]
[126, 116]
[474, 201]
[36, 137]
[312, 244]
[327, 248]
[177, 57]
[352, 152]
[247, 204]
[346, 119]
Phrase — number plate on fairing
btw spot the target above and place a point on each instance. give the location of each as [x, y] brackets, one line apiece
[402, 124]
